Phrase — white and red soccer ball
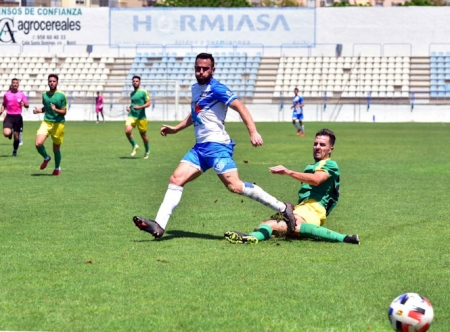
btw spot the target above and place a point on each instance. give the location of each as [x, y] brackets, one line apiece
[410, 312]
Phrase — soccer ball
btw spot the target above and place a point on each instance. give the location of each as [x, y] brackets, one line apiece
[410, 312]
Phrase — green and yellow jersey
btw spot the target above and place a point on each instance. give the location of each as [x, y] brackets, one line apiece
[59, 99]
[138, 98]
[326, 193]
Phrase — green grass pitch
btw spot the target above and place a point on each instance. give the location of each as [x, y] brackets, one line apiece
[72, 259]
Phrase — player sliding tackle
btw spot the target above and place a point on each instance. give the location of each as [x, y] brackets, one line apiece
[318, 195]
[213, 149]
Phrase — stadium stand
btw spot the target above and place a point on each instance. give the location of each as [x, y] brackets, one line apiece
[161, 73]
[257, 78]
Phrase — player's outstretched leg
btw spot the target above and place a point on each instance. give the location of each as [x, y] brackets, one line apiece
[135, 148]
[238, 237]
[289, 217]
[149, 226]
[45, 162]
[352, 239]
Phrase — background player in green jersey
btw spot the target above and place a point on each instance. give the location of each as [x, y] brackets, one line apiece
[140, 100]
[318, 195]
[55, 109]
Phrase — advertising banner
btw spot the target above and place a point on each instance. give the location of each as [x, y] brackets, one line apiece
[53, 26]
[212, 26]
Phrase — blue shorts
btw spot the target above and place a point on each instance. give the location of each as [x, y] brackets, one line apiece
[297, 116]
[204, 156]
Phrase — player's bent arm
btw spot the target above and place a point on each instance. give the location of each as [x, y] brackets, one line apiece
[313, 179]
[246, 117]
[239, 107]
[147, 104]
[165, 129]
[61, 111]
[38, 110]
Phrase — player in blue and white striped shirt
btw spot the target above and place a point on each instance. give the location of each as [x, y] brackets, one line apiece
[297, 113]
[213, 149]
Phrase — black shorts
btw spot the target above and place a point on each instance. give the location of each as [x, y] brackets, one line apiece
[13, 121]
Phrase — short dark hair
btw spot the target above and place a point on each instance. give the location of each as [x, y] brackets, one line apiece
[205, 56]
[54, 76]
[135, 76]
[14, 79]
[329, 133]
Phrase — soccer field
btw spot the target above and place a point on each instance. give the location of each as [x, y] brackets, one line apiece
[73, 260]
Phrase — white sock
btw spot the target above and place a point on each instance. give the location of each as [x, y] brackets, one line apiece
[303, 128]
[170, 202]
[258, 194]
[296, 125]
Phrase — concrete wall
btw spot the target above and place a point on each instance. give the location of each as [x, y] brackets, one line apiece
[374, 31]
[272, 113]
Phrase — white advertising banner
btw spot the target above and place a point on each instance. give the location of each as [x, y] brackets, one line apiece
[212, 26]
[44, 26]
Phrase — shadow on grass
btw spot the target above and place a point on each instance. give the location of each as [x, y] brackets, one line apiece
[128, 157]
[5, 156]
[169, 235]
[41, 174]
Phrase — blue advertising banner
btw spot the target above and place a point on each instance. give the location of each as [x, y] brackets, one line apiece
[212, 26]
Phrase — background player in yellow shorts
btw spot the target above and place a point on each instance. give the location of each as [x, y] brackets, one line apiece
[318, 195]
[55, 109]
[140, 100]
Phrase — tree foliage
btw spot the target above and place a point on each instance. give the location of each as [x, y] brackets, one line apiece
[281, 3]
[346, 3]
[204, 3]
[418, 3]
